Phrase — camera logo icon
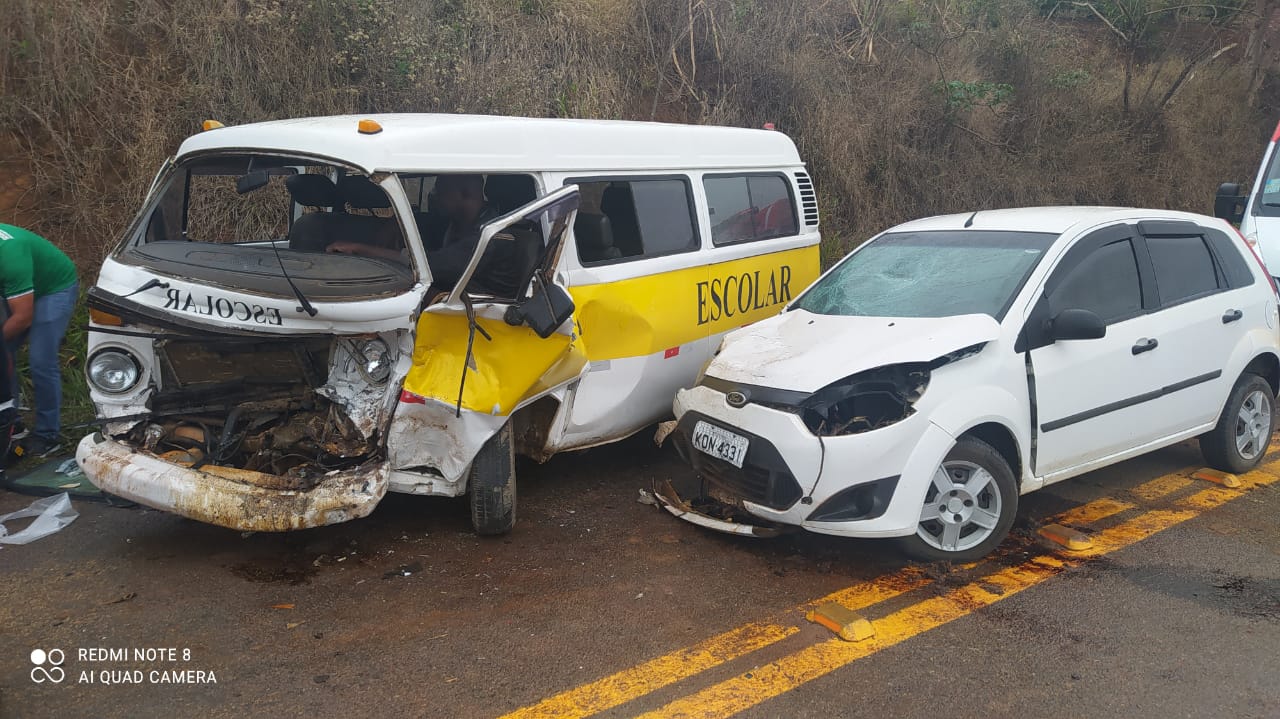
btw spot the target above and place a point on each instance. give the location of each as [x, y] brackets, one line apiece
[47, 666]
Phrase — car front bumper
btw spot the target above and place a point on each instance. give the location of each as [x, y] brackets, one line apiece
[229, 497]
[892, 465]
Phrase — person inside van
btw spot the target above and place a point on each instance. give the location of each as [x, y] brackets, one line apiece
[461, 199]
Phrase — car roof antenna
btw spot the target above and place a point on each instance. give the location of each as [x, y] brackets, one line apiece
[969, 222]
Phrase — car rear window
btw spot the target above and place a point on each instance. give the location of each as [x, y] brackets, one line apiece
[930, 274]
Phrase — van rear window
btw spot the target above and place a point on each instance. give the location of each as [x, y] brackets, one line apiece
[744, 208]
[634, 218]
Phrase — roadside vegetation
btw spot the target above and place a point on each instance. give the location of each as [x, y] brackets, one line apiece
[903, 108]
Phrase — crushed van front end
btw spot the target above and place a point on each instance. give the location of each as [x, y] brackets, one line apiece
[248, 431]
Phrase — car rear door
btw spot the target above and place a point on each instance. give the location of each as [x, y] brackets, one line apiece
[1091, 397]
[1206, 305]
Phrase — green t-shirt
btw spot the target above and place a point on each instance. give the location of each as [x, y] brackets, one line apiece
[30, 263]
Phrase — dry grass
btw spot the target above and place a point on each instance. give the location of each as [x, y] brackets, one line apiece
[97, 94]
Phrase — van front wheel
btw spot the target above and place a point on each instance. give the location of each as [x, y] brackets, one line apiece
[492, 482]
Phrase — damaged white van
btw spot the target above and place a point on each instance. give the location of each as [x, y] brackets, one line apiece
[271, 348]
[953, 363]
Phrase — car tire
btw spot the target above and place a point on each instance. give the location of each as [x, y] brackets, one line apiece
[492, 481]
[1240, 440]
[960, 522]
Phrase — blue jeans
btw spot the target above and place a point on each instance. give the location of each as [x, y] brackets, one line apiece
[43, 339]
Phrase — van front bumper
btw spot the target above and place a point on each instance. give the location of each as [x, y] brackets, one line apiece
[226, 496]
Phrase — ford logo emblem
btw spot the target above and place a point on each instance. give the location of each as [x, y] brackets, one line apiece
[736, 399]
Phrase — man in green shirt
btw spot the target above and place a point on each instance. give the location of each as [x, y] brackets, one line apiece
[40, 285]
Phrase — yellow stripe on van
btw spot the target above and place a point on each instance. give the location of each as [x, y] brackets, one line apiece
[644, 315]
[630, 318]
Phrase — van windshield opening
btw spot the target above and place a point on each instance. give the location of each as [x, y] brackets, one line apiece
[254, 222]
[929, 274]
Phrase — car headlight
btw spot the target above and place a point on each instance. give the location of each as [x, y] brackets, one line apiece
[113, 371]
[875, 398]
[375, 360]
[865, 401]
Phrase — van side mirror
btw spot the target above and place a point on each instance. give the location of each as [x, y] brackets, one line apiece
[544, 311]
[1077, 325]
[1229, 202]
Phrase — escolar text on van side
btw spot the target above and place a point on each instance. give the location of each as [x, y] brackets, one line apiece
[738, 294]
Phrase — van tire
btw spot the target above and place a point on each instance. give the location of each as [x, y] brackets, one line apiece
[1219, 445]
[969, 459]
[492, 481]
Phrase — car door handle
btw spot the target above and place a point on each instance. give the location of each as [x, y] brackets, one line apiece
[1231, 316]
[1145, 345]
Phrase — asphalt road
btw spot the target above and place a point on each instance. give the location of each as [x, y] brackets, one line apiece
[598, 604]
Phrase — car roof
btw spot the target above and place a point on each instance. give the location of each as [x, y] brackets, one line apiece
[484, 143]
[1055, 220]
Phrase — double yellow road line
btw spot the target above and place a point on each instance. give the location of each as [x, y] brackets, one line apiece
[762, 683]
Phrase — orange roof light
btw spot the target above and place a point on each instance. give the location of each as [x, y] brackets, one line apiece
[210, 125]
[369, 127]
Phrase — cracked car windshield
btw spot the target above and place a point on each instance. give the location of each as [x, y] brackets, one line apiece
[929, 274]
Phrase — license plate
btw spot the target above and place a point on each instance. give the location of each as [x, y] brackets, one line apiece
[720, 443]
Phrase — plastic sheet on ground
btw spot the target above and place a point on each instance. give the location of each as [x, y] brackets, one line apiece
[51, 514]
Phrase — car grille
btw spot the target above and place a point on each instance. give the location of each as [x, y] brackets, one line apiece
[764, 478]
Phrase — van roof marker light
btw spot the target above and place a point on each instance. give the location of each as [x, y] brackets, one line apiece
[1276, 135]
[770, 126]
[369, 127]
[210, 125]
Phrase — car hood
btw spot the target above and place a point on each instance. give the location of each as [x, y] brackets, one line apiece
[804, 352]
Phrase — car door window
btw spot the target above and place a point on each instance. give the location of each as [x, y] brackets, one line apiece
[1184, 268]
[1106, 283]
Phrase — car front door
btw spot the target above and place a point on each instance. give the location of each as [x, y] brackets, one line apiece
[1092, 396]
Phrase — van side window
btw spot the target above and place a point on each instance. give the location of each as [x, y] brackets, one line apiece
[1184, 268]
[1106, 283]
[744, 208]
[633, 219]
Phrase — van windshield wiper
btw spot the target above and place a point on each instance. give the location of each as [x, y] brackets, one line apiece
[304, 304]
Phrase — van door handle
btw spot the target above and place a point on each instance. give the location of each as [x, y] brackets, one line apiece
[1231, 316]
[1145, 345]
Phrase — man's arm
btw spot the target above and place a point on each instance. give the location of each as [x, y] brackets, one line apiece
[21, 313]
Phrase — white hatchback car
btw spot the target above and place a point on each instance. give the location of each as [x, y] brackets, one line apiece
[952, 363]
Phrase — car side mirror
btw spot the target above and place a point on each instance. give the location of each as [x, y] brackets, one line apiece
[544, 311]
[1229, 202]
[252, 181]
[1077, 325]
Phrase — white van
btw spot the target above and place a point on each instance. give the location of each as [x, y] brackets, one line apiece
[249, 378]
[1258, 211]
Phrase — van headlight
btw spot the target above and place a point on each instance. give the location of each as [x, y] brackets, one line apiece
[113, 371]
[375, 360]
